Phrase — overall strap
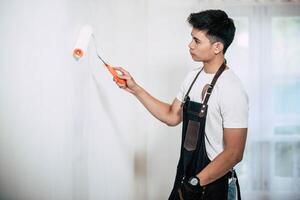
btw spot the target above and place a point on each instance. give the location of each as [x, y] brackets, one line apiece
[187, 94]
[213, 82]
[202, 114]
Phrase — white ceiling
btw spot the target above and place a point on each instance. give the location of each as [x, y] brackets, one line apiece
[250, 1]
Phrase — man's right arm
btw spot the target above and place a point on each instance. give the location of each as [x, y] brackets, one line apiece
[169, 114]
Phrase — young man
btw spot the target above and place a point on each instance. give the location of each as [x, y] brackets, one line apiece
[213, 107]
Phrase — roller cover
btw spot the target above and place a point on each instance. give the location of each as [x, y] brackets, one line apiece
[82, 42]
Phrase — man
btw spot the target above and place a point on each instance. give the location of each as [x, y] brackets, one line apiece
[213, 107]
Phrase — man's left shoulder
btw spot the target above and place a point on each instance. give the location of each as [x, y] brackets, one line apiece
[229, 80]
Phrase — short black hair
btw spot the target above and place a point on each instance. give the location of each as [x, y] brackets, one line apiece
[218, 26]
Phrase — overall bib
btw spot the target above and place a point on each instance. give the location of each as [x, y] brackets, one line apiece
[193, 156]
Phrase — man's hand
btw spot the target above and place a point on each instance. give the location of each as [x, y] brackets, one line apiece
[190, 192]
[130, 86]
[169, 114]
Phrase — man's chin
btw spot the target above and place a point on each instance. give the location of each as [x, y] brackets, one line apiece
[196, 59]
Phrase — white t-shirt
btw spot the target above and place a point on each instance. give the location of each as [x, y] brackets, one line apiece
[227, 106]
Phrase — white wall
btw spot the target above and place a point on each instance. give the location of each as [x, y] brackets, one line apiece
[67, 132]
[168, 62]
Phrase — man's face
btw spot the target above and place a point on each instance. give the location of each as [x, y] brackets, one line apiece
[201, 48]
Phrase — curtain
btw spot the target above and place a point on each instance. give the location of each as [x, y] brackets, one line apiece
[265, 56]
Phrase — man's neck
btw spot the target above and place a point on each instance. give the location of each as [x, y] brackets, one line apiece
[212, 66]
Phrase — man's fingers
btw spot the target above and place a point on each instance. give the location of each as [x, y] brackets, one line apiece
[123, 87]
[125, 74]
[121, 70]
[120, 85]
[127, 77]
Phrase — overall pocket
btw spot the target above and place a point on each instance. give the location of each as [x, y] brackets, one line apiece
[191, 137]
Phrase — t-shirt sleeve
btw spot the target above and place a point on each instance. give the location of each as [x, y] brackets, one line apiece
[234, 105]
[181, 92]
[184, 87]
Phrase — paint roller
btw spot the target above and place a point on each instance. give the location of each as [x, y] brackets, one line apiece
[80, 49]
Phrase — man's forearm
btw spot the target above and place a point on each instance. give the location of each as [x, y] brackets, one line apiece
[159, 109]
[218, 167]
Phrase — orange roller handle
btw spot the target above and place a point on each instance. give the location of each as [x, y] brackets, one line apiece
[114, 73]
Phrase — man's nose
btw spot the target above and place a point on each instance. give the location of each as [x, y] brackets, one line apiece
[191, 45]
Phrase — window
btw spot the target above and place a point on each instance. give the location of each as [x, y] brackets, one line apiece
[266, 56]
[285, 98]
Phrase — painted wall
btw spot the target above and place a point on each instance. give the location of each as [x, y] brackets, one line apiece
[67, 132]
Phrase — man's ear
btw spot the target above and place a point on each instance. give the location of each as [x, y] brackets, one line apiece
[218, 47]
